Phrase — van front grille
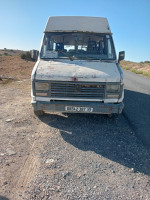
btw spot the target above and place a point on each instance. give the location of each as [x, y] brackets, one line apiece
[77, 90]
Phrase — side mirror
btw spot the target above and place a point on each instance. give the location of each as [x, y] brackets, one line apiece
[34, 54]
[121, 56]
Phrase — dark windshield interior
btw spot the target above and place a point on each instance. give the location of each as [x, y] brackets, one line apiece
[78, 46]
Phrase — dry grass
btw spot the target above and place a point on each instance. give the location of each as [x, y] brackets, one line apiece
[14, 68]
[137, 68]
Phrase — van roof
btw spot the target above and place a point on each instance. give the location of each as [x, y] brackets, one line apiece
[77, 24]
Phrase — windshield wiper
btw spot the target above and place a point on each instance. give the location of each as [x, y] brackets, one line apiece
[70, 57]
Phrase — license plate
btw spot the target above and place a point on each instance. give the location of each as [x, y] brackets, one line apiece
[78, 109]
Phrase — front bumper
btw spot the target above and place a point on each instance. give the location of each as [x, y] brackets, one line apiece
[97, 107]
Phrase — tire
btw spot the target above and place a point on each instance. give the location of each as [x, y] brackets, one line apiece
[38, 112]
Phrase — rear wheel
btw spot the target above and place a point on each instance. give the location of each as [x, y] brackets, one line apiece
[38, 112]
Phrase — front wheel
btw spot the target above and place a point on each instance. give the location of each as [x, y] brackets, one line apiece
[38, 112]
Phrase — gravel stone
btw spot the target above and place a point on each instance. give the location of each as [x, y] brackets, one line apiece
[10, 152]
[9, 120]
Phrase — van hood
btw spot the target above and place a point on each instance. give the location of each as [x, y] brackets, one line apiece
[77, 70]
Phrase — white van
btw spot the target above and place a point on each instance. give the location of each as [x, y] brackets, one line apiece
[77, 70]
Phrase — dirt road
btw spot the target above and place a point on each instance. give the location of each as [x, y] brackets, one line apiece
[67, 157]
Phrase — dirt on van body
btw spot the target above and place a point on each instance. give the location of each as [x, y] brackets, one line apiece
[57, 156]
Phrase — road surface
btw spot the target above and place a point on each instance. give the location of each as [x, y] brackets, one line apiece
[137, 104]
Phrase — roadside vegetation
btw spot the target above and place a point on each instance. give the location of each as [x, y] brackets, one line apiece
[26, 55]
[142, 68]
[13, 67]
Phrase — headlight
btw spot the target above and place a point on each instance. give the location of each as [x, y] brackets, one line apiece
[41, 86]
[113, 88]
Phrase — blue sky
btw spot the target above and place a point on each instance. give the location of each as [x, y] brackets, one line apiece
[22, 22]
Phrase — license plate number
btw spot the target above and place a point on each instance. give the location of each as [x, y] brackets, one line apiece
[78, 109]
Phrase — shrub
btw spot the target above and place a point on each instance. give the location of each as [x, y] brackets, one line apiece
[23, 56]
[26, 56]
[147, 61]
[146, 74]
[126, 68]
[139, 72]
[134, 70]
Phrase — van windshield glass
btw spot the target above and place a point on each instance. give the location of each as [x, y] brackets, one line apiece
[77, 46]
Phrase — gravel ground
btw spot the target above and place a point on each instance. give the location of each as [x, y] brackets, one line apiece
[90, 157]
[76, 156]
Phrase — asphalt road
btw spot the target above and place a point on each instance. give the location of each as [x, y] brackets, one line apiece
[137, 105]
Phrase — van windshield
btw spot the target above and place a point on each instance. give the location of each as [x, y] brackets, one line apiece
[77, 46]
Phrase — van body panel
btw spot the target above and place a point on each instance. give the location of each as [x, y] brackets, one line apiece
[77, 24]
[66, 70]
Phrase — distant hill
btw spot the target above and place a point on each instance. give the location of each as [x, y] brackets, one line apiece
[10, 52]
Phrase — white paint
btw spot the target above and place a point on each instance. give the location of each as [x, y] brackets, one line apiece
[88, 71]
[34, 70]
[77, 24]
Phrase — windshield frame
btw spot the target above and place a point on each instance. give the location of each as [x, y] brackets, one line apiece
[81, 57]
